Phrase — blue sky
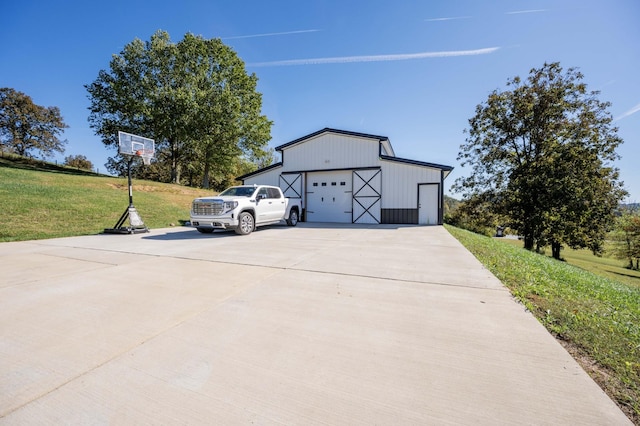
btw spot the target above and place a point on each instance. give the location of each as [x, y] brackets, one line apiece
[413, 71]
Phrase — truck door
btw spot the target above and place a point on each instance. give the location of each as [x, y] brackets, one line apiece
[269, 206]
[278, 204]
[262, 205]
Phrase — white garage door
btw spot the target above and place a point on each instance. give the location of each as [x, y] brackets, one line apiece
[329, 197]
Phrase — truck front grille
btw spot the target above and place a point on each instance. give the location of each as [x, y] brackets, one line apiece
[207, 208]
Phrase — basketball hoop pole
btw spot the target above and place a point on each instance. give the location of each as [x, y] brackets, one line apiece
[129, 179]
[137, 226]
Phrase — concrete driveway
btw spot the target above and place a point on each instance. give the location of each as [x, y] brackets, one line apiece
[317, 324]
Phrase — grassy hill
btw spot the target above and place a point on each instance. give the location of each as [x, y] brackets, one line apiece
[605, 265]
[42, 200]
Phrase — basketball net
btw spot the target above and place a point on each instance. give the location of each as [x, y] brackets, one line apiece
[146, 156]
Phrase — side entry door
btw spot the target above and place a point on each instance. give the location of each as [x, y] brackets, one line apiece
[428, 204]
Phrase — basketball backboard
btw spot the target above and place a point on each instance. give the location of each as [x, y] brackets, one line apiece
[129, 144]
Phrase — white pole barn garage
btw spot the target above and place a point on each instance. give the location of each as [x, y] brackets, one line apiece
[350, 177]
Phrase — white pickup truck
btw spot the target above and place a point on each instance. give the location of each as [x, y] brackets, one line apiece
[243, 208]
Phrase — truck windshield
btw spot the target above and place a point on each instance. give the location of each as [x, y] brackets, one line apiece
[239, 191]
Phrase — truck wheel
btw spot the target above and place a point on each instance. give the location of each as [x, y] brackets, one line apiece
[205, 230]
[293, 218]
[245, 224]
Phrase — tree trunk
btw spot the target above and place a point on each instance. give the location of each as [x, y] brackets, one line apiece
[555, 250]
[528, 242]
[175, 168]
[205, 177]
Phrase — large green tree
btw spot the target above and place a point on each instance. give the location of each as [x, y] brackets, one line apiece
[193, 97]
[625, 238]
[26, 127]
[542, 152]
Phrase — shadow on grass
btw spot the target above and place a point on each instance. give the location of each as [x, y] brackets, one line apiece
[626, 275]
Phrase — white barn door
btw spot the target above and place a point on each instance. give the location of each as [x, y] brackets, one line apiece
[291, 185]
[428, 203]
[367, 194]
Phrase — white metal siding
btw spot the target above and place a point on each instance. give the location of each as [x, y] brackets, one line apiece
[399, 183]
[331, 151]
[270, 177]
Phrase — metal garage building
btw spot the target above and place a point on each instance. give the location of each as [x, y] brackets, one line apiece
[350, 177]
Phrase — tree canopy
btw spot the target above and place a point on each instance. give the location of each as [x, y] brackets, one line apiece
[26, 128]
[78, 161]
[193, 97]
[542, 153]
[625, 238]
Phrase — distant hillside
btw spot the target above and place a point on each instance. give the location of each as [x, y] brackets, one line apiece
[631, 206]
[27, 163]
[450, 204]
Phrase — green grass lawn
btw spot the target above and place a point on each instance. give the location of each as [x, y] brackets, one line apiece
[601, 265]
[58, 202]
[597, 318]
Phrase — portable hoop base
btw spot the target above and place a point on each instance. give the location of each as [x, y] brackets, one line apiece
[136, 226]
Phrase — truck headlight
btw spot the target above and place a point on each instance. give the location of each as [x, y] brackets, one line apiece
[230, 205]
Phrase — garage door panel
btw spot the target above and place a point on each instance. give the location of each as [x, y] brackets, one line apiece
[329, 197]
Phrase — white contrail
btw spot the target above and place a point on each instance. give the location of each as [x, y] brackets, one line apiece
[375, 58]
[628, 113]
[447, 19]
[517, 12]
[269, 34]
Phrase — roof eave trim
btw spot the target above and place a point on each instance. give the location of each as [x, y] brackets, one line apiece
[417, 163]
[330, 130]
[262, 170]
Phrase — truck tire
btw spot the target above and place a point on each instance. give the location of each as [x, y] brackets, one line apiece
[293, 217]
[205, 230]
[245, 223]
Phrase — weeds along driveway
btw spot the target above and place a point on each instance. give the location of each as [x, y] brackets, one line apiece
[317, 324]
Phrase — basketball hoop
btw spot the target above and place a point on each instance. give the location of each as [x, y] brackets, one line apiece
[145, 155]
[132, 146]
